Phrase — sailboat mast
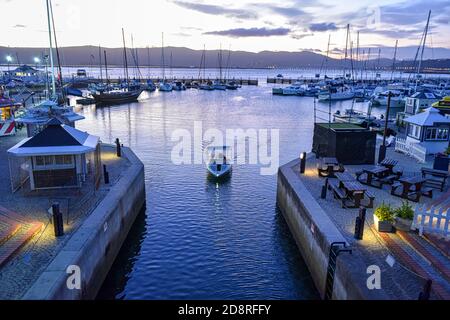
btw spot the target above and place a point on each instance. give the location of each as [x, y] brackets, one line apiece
[393, 61]
[106, 68]
[51, 48]
[162, 56]
[56, 46]
[357, 53]
[424, 42]
[346, 47]
[100, 62]
[126, 59]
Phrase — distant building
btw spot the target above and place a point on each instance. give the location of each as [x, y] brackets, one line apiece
[419, 101]
[60, 156]
[25, 73]
[430, 129]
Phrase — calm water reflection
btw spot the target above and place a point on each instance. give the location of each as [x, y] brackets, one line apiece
[198, 239]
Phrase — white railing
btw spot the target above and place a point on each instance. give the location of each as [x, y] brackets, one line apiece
[418, 152]
[401, 145]
[414, 150]
[435, 220]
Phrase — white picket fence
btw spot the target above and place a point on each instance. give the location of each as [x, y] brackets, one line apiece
[414, 150]
[433, 220]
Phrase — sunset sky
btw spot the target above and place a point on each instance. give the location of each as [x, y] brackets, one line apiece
[250, 25]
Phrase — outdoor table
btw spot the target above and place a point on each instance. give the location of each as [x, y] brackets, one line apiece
[408, 182]
[345, 176]
[376, 171]
[330, 163]
[355, 189]
[389, 163]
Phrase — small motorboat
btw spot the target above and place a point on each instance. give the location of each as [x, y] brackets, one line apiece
[219, 165]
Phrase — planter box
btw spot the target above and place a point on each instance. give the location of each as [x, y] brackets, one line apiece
[383, 226]
[403, 224]
[441, 163]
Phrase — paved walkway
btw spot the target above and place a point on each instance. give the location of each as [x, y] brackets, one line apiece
[406, 278]
[18, 273]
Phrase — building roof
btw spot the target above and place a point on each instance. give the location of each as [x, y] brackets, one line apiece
[429, 117]
[425, 94]
[25, 68]
[56, 139]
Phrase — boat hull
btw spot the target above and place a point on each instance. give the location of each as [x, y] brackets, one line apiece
[113, 98]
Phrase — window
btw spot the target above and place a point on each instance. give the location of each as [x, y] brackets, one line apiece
[63, 160]
[54, 162]
[414, 131]
[440, 134]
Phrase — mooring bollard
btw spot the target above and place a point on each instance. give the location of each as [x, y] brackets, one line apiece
[118, 148]
[359, 224]
[323, 195]
[58, 223]
[105, 174]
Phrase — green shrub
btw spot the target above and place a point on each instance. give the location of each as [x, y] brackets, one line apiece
[405, 211]
[447, 151]
[384, 212]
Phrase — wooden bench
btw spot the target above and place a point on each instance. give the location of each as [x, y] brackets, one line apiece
[371, 197]
[338, 193]
[435, 178]
[426, 192]
[389, 179]
[395, 186]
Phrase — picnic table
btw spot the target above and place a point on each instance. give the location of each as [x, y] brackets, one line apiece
[328, 167]
[375, 173]
[389, 163]
[412, 188]
[353, 190]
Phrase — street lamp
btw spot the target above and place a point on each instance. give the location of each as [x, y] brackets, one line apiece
[37, 61]
[9, 60]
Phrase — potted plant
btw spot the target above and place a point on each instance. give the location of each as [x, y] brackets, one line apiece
[384, 218]
[442, 160]
[404, 216]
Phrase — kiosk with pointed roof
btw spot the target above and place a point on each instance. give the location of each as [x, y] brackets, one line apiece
[430, 129]
[60, 156]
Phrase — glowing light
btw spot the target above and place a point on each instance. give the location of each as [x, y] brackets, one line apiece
[37, 60]
[9, 58]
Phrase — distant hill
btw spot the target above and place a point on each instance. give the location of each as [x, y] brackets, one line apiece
[185, 57]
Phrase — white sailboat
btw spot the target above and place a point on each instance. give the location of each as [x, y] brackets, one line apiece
[164, 86]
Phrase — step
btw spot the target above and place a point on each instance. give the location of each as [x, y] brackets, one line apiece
[435, 262]
[409, 261]
[7, 231]
[15, 243]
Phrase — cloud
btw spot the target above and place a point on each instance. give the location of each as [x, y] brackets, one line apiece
[301, 36]
[415, 12]
[398, 33]
[251, 32]
[216, 10]
[322, 27]
[289, 12]
[19, 26]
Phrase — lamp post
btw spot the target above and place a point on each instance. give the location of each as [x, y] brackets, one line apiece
[382, 151]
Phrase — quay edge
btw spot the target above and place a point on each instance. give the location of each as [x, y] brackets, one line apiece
[314, 232]
[96, 243]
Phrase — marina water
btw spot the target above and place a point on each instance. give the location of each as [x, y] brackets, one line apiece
[198, 239]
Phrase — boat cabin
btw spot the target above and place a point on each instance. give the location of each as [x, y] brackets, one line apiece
[60, 156]
[430, 129]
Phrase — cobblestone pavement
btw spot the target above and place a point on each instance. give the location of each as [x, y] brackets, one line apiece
[398, 281]
[20, 272]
